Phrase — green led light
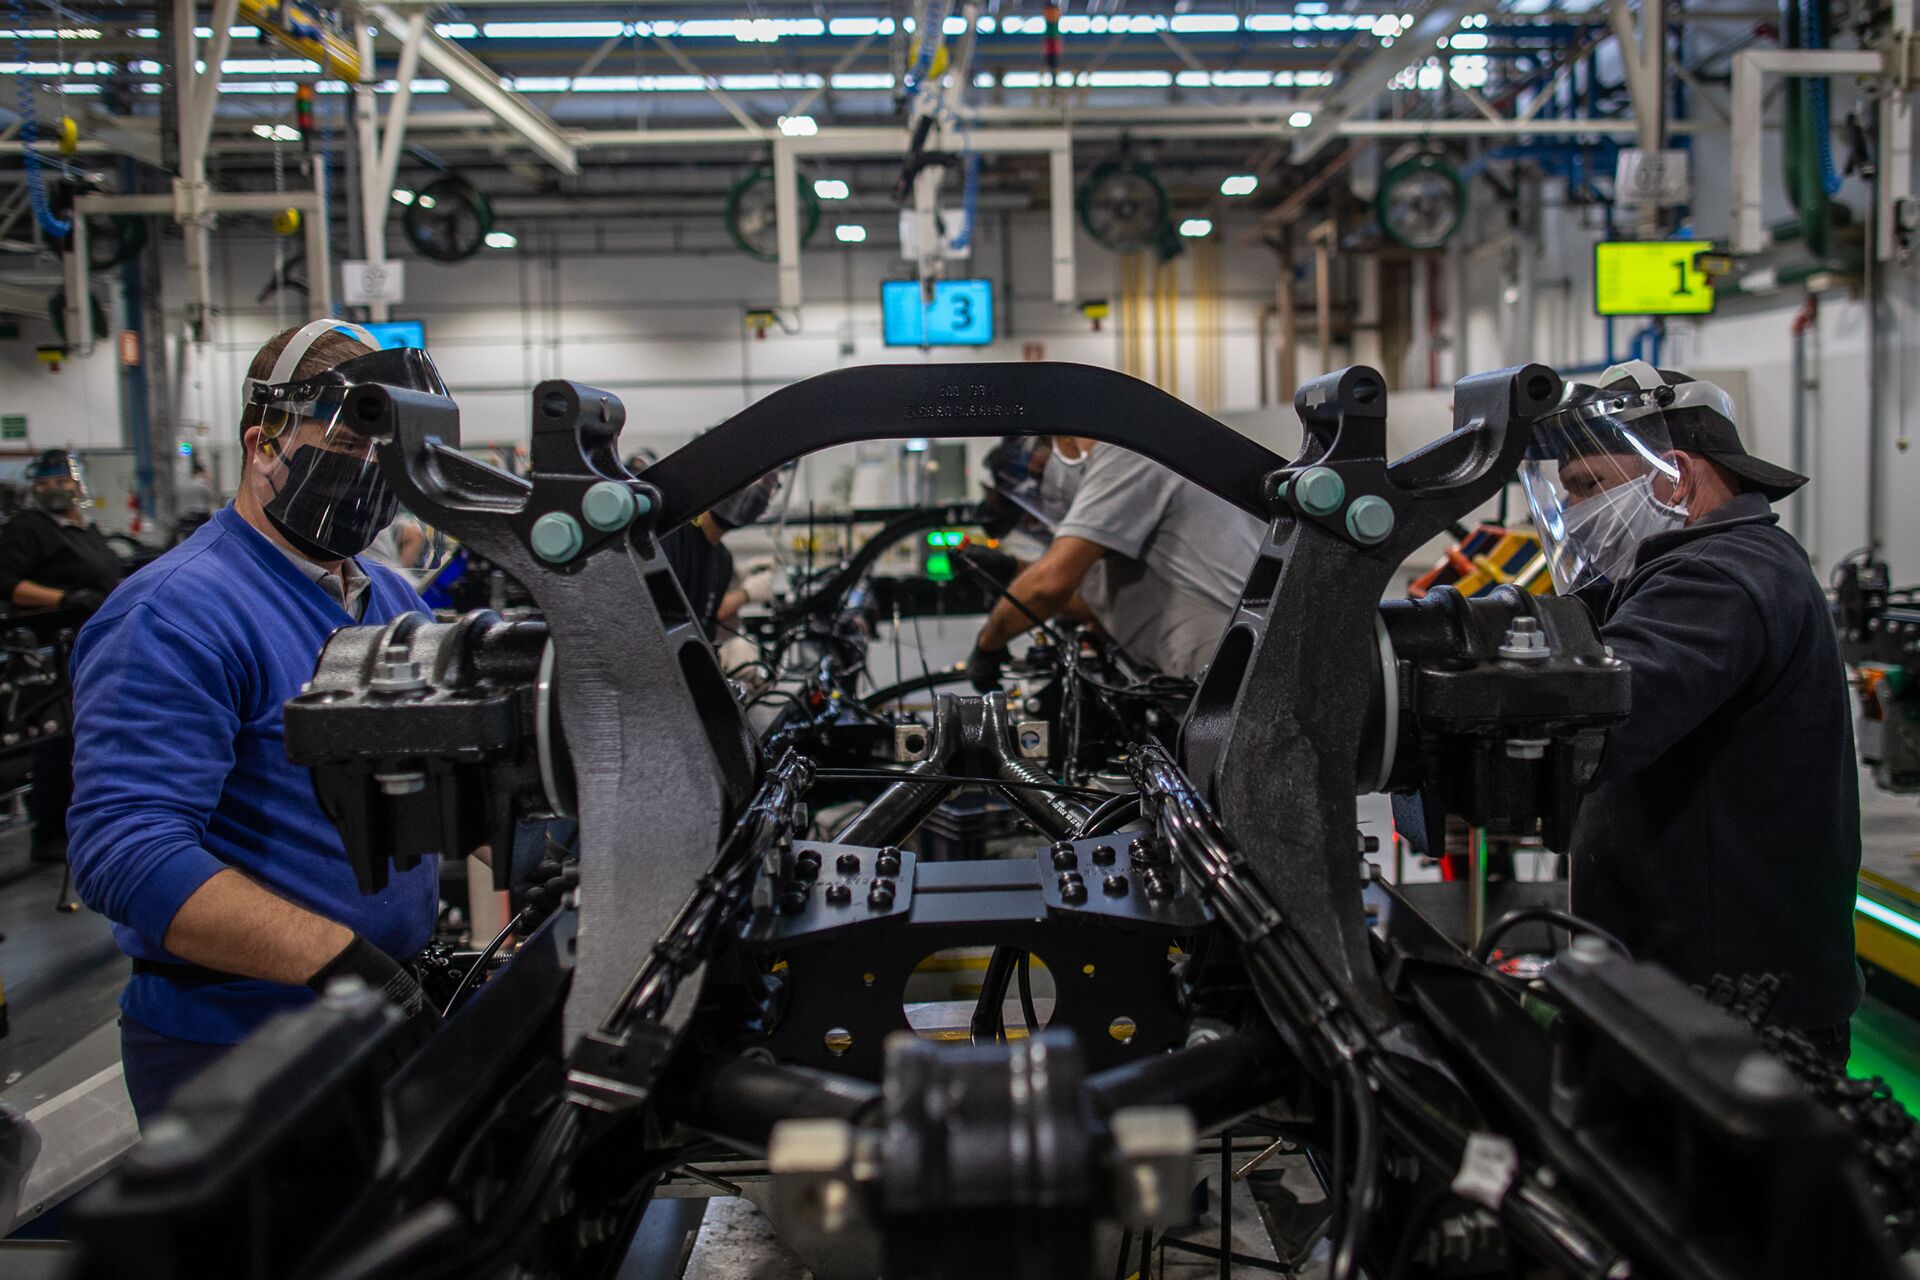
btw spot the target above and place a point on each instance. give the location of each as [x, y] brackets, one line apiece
[940, 567]
[1888, 917]
[936, 539]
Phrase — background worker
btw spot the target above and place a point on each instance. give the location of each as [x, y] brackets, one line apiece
[1722, 835]
[53, 557]
[227, 885]
[1158, 561]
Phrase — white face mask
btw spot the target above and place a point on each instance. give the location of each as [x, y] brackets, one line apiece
[1609, 528]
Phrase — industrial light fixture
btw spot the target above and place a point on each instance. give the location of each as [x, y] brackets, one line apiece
[502, 240]
[426, 202]
[1300, 119]
[798, 126]
[850, 233]
[1194, 228]
[276, 132]
[1239, 184]
[831, 189]
[402, 196]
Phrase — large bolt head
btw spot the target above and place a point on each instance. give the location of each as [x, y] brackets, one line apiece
[608, 506]
[1369, 518]
[1319, 491]
[557, 537]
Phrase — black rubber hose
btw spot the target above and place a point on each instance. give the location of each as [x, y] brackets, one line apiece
[1218, 1080]
[1551, 915]
[739, 1100]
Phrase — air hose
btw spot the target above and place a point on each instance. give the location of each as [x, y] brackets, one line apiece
[1814, 37]
[57, 228]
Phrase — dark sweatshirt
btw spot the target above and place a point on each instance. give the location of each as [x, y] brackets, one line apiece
[1723, 835]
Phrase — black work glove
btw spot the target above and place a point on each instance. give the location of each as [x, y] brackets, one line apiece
[391, 979]
[86, 600]
[997, 565]
[983, 668]
[548, 886]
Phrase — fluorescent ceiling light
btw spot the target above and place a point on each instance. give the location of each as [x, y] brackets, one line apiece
[799, 126]
[501, 240]
[831, 189]
[456, 30]
[1194, 228]
[1239, 184]
[850, 233]
[863, 80]
[1202, 23]
[1300, 119]
[277, 132]
[552, 30]
[402, 196]
[269, 67]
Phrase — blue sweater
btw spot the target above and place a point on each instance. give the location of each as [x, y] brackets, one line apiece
[180, 769]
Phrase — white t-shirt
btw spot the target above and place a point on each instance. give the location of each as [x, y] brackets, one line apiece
[1178, 558]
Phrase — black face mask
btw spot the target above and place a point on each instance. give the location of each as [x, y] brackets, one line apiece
[58, 501]
[331, 505]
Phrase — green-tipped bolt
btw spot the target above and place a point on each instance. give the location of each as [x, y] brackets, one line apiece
[1319, 491]
[607, 506]
[557, 537]
[1369, 518]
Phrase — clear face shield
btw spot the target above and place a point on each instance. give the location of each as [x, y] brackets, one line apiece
[751, 504]
[59, 482]
[1601, 479]
[1017, 469]
[329, 498]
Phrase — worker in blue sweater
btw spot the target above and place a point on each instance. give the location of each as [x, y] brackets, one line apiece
[189, 829]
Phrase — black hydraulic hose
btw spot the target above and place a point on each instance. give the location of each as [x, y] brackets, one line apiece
[988, 1026]
[1362, 1193]
[1550, 915]
[1112, 814]
[1218, 1080]
[1027, 1010]
[919, 684]
[739, 1100]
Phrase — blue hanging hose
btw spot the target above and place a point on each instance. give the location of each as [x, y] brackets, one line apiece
[1812, 37]
[970, 188]
[57, 228]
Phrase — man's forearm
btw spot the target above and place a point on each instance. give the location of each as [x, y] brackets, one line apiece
[233, 925]
[31, 595]
[1008, 620]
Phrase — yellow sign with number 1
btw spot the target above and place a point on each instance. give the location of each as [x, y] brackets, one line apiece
[1651, 278]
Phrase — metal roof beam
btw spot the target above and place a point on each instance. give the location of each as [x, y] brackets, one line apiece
[479, 84]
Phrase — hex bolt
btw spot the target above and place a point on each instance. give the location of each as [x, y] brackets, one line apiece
[1073, 892]
[557, 537]
[793, 902]
[1115, 885]
[806, 870]
[1525, 642]
[880, 897]
[1064, 858]
[406, 783]
[888, 863]
[1370, 519]
[1588, 949]
[847, 864]
[1103, 854]
[839, 894]
[608, 506]
[1319, 491]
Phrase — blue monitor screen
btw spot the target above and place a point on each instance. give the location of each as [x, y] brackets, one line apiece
[960, 315]
[399, 333]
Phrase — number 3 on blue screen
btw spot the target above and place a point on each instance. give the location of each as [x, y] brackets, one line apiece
[960, 315]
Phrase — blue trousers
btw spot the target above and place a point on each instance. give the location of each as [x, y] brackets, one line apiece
[156, 1065]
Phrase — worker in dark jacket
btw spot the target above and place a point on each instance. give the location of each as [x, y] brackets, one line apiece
[1722, 835]
[702, 562]
[53, 557]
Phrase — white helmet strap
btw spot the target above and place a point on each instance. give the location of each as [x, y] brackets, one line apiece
[298, 345]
